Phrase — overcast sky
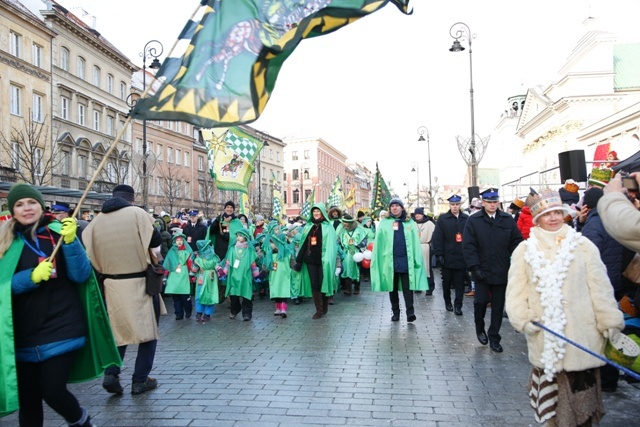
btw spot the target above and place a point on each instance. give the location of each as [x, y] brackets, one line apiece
[367, 88]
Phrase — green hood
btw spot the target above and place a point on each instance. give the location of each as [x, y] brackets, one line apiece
[322, 208]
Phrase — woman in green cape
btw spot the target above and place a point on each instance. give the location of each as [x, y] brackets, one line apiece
[318, 259]
[396, 261]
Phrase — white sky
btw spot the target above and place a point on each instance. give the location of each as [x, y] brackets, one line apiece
[367, 88]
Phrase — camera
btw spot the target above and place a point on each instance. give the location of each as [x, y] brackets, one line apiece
[629, 182]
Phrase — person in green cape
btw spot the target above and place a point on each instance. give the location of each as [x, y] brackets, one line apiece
[52, 319]
[240, 267]
[396, 261]
[294, 239]
[177, 265]
[352, 237]
[318, 259]
[278, 252]
[203, 265]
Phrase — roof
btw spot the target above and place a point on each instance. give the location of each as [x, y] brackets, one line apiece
[626, 62]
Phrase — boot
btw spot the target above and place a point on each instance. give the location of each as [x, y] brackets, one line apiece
[356, 287]
[325, 304]
[283, 310]
[346, 286]
[317, 300]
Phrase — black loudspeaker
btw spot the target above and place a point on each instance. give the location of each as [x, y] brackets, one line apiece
[572, 166]
[473, 192]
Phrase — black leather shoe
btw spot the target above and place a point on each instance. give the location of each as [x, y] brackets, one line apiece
[495, 346]
[395, 318]
[428, 293]
[448, 306]
[411, 318]
[458, 311]
[482, 337]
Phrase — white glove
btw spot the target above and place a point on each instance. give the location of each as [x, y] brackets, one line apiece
[612, 334]
[338, 271]
[530, 328]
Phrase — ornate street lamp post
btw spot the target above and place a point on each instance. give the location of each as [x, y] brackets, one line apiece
[422, 130]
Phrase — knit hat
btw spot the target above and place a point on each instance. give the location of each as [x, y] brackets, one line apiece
[230, 203]
[259, 218]
[125, 191]
[23, 191]
[419, 211]
[591, 197]
[245, 233]
[548, 200]
[396, 201]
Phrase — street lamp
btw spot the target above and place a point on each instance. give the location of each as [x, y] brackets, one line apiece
[416, 169]
[462, 31]
[153, 49]
[421, 131]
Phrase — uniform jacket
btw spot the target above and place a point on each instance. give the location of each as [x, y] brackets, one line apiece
[587, 299]
[194, 233]
[444, 239]
[117, 242]
[487, 244]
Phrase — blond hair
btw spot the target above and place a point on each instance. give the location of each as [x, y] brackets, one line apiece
[6, 235]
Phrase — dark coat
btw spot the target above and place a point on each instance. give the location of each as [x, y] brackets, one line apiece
[195, 233]
[444, 242]
[487, 244]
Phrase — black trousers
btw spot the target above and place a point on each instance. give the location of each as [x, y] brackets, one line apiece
[182, 305]
[453, 278]
[484, 294]
[401, 281]
[46, 381]
[144, 361]
[246, 306]
[315, 277]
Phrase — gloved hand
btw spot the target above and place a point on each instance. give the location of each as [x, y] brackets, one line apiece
[612, 334]
[478, 275]
[338, 271]
[297, 266]
[531, 329]
[220, 272]
[69, 230]
[440, 261]
[42, 272]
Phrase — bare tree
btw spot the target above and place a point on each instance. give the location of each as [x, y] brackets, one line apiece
[172, 180]
[206, 194]
[31, 152]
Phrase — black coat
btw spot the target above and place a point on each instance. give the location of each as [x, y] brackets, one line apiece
[443, 242]
[195, 233]
[487, 244]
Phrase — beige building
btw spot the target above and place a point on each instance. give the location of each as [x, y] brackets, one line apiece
[25, 96]
[91, 80]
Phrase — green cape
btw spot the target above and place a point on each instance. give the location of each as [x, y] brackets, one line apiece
[329, 255]
[98, 353]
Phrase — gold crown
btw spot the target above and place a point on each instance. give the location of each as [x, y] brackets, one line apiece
[547, 198]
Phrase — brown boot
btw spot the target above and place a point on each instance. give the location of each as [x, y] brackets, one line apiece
[356, 288]
[317, 301]
[346, 286]
[325, 304]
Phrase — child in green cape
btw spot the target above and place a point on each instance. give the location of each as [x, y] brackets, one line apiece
[203, 266]
[177, 263]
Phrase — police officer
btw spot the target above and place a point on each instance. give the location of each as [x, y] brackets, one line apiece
[194, 230]
[447, 247]
[489, 238]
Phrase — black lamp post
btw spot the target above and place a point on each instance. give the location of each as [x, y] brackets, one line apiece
[421, 131]
[153, 49]
[462, 31]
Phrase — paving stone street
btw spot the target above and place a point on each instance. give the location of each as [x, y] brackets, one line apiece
[352, 367]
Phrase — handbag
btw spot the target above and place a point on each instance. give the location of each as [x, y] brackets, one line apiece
[632, 272]
[155, 276]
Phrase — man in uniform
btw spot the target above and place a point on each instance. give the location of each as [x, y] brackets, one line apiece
[447, 247]
[489, 238]
[194, 230]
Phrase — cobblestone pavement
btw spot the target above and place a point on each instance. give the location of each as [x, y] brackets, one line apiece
[353, 367]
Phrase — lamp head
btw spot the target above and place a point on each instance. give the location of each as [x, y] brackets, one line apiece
[456, 47]
[155, 64]
[421, 138]
[413, 169]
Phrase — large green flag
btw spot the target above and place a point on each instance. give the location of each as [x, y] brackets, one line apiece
[336, 196]
[229, 68]
[278, 203]
[381, 194]
[305, 212]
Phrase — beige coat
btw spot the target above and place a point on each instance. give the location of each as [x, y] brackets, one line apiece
[117, 243]
[621, 219]
[426, 232]
[588, 302]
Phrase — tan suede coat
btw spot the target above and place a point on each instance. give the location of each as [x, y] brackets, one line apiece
[588, 302]
[117, 243]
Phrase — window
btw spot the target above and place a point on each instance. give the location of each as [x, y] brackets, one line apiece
[64, 107]
[15, 41]
[65, 163]
[82, 167]
[96, 75]
[296, 196]
[278, 156]
[138, 146]
[81, 114]
[160, 183]
[278, 176]
[126, 136]
[36, 112]
[178, 188]
[187, 159]
[15, 156]
[96, 120]
[200, 163]
[306, 154]
[307, 193]
[123, 90]
[306, 173]
[112, 174]
[200, 191]
[159, 151]
[294, 155]
[295, 174]
[110, 83]
[270, 154]
[179, 127]
[37, 55]
[80, 68]
[37, 161]
[285, 195]
[110, 122]
[64, 58]
[170, 154]
[178, 157]
[187, 190]
[16, 100]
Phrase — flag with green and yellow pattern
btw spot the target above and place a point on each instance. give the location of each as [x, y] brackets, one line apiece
[381, 195]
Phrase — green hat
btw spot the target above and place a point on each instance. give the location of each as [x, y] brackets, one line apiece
[246, 233]
[23, 191]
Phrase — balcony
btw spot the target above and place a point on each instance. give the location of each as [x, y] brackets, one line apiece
[7, 174]
[103, 186]
[65, 183]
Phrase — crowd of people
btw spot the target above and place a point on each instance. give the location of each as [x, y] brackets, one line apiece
[543, 264]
